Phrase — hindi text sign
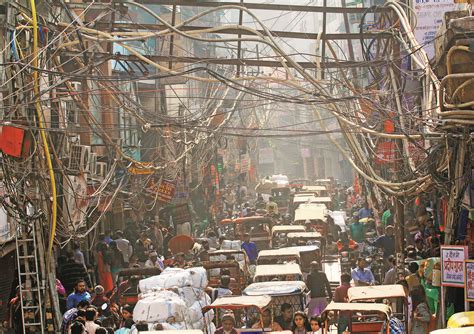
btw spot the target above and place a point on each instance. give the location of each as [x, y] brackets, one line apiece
[469, 287]
[452, 265]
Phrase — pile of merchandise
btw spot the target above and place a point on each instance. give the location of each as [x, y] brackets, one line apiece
[174, 299]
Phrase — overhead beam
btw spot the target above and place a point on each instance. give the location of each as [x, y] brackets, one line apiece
[261, 6]
[257, 6]
[236, 31]
[222, 61]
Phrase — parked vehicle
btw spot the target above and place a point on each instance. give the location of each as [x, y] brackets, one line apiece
[294, 293]
[282, 272]
[367, 318]
[396, 294]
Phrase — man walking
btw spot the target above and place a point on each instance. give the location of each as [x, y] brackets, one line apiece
[361, 275]
[320, 288]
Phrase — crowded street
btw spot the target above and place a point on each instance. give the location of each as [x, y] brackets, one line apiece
[237, 167]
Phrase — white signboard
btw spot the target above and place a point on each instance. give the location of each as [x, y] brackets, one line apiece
[429, 17]
[452, 265]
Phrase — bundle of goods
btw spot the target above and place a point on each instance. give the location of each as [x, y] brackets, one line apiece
[175, 299]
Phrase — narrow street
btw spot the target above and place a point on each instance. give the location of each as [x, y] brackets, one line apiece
[243, 166]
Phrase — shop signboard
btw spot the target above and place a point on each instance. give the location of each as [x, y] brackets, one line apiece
[469, 284]
[166, 191]
[452, 265]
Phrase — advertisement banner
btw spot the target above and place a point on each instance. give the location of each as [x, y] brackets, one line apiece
[469, 286]
[429, 17]
[452, 265]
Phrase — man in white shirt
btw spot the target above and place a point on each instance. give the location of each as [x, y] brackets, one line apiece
[124, 247]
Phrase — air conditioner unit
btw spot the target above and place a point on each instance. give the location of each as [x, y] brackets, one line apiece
[101, 169]
[69, 114]
[93, 164]
[79, 158]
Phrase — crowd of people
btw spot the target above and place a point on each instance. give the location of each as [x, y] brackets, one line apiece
[89, 289]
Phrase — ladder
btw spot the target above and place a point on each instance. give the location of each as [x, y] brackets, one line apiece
[29, 277]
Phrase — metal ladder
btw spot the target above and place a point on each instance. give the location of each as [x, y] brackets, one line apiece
[29, 277]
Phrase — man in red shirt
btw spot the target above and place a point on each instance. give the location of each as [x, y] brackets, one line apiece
[340, 296]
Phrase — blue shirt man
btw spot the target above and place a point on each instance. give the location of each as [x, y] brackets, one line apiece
[250, 248]
[78, 295]
[361, 275]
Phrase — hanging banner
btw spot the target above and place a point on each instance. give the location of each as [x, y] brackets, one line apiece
[166, 191]
[469, 284]
[244, 163]
[452, 265]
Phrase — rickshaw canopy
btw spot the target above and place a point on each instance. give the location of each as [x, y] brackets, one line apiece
[462, 319]
[305, 198]
[239, 302]
[360, 293]
[275, 288]
[359, 307]
[310, 211]
[226, 221]
[278, 252]
[304, 235]
[277, 269]
[313, 188]
[287, 228]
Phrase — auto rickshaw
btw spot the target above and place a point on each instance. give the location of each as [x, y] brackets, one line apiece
[247, 309]
[367, 318]
[314, 213]
[259, 229]
[279, 234]
[235, 261]
[318, 191]
[461, 319]
[281, 196]
[308, 254]
[294, 293]
[282, 272]
[278, 256]
[396, 294]
[227, 228]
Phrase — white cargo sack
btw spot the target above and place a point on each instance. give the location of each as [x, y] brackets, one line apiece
[159, 306]
[231, 244]
[176, 278]
[198, 277]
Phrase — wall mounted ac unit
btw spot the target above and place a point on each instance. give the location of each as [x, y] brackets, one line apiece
[79, 156]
